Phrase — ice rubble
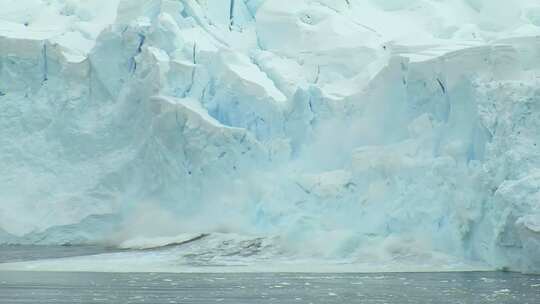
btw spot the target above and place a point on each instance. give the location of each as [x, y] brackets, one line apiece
[366, 131]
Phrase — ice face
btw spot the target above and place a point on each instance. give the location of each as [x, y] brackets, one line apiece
[357, 130]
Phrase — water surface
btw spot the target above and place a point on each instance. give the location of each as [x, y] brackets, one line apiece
[21, 253]
[391, 288]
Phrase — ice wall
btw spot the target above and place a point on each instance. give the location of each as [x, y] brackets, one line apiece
[370, 131]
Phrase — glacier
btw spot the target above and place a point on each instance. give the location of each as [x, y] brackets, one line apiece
[356, 132]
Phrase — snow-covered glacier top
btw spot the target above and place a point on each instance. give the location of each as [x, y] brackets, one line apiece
[350, 132]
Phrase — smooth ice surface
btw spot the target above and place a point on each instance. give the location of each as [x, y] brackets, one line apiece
[379, 133]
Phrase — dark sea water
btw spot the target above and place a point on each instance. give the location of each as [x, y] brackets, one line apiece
[471, 287]
[19, 253]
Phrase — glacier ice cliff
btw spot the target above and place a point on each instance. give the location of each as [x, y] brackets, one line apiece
[354, 130]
